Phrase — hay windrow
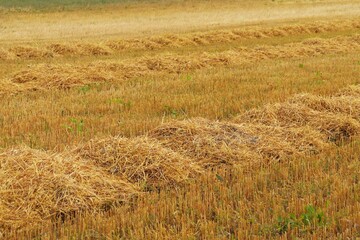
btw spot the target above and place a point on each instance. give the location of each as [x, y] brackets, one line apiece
[209, 143]
[92, 49]
[350, 91]
[213, 143]
[48, 76]
[348, 105]
[337, 126]
[140, 160]
[7, 87]
[301, 140]
[5, 55]
[63, 49]
[27, 52]
[37, 186]
[181, 40]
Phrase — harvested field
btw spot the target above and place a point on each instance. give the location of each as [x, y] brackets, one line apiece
[38, 185]
[179, 120]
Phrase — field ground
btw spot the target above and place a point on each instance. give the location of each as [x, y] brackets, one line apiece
[180, 120]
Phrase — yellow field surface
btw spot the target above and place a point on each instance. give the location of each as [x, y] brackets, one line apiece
[170, 120]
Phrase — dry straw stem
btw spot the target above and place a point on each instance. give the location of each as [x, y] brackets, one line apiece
[348, 105]
[213, 143]
[63, 49]
[5, 55]
[140, 160]
[90, 49]
[36, 186]
[282, 142]
[48, 76]
[27, 52]
[336, 126]
[78, 49]
[350, 91]
[176, 40]
[209, 143]
[7, 87]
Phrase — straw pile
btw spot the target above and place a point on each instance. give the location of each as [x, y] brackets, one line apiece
[337, 127]
[151, 43]
[92, 49]
[62, 49]
[7, 87]
[45, 76]
[209, 143]
[178, 64]
[212, 143]
[5, 55]
[140, 160]
[348, 105]
[299, 140]
[351, 91]
[26, 52]
[36, 186]
[133, 44]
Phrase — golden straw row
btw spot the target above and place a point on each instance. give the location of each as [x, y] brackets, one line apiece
[52, 76]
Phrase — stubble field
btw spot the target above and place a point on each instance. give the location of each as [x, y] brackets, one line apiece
[180, 120]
